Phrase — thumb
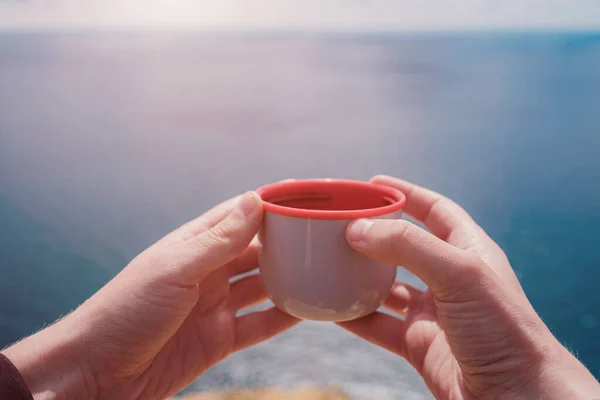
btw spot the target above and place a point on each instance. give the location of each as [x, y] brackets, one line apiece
[447, 270]
[212, 248]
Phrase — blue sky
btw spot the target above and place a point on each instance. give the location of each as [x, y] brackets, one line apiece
[356, 15]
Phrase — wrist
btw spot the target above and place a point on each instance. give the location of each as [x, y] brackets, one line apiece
[560, 375]
[51, 363]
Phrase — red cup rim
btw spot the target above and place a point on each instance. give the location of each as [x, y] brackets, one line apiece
[397, 198]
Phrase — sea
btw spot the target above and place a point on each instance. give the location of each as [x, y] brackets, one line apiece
[109, 140]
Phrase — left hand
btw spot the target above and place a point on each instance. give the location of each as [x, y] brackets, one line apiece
[473, 334]
[164, 320]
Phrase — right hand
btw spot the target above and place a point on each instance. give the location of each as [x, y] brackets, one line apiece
[473, 333]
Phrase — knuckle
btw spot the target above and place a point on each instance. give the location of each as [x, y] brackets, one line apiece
[467, 281]
[400, 230]
[472, 264]
[473, 271]
[218, 235]
[396, 233]
[225, 234]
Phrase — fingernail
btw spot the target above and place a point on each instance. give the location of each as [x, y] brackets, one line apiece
[248, 203]
[358, 230]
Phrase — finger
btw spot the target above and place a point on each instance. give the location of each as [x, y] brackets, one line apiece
[246, 292]
[222, 243]
[443, 267]
[246, 262]
[450, 222]
[258, 326]
[439, 214]
[210, 218]
[402, 298]
[380, 329]
[202, 223]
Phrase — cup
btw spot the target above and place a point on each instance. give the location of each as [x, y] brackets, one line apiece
[307, 267]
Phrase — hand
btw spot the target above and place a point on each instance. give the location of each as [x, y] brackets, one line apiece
[473, 333]
[165, 319]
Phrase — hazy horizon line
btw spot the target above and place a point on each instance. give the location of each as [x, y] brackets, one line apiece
[302, 31]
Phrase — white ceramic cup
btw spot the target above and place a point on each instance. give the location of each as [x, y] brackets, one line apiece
[307, 267]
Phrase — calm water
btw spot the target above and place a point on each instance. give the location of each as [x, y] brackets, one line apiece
[108, 141]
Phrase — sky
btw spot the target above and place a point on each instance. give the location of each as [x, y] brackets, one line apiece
[352, 15]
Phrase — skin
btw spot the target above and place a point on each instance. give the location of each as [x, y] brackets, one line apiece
[164, 320]
[172, 313]
[473, 334]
